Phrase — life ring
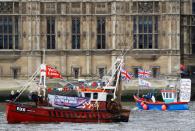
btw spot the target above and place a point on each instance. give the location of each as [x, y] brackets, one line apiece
[164, 107]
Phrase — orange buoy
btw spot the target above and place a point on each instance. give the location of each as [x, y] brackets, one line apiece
[145, 107]
[164, 107]
[142, 103]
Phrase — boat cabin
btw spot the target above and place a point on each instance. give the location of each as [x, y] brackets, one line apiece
[97, 94]
[169, 96]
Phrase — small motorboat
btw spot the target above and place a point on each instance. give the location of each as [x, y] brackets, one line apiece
[170, 99]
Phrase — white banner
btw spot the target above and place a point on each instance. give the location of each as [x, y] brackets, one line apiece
[144, 83]
[185, 90]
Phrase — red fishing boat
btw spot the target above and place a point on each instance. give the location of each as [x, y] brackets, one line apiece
[24, 113]
[78, 105]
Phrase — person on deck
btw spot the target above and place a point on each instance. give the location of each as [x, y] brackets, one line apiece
[34, 96]
[13, 95]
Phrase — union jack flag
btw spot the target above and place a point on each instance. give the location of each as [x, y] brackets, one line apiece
[125, 75]
[144, 73]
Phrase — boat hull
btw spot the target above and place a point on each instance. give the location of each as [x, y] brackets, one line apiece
[20, 113]
[159, 105]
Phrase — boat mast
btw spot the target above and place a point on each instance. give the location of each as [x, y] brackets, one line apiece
[43, 56]
[117, 91]
[42, 80]
[43, 71]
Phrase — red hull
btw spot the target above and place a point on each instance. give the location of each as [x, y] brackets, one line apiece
[19, 113]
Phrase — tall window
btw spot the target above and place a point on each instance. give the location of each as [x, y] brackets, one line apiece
[76, 73]
[155, 71]
[193, 7]
[193, 39]
[50, 33]
[145, 32]
[75, 33]
[101, 72]
[8, 32]
[101, 33]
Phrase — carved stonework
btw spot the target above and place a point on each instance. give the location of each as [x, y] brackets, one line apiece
[63, 8]
[109, 8]
[59, 8]
[75, 8]
[6, 7]
[68, 8]
[163, 7]
[34, 8]
[145, 7]
[101, 8]
[50, 8]
[23, 7]
[16, 7]
[120, 7]
[184, 20]
[127, 7]
[156, 7]
[134, 7]
[182, 7]
[178, 8]
[175, 7]
[84, 8]
[42, 8]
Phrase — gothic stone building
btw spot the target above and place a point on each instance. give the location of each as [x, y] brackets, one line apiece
[188, 36]
[82, 38]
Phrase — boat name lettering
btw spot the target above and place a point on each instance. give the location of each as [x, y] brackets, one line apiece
[21, 109]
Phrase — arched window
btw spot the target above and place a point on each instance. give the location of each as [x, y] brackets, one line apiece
[9, 32]
[50, 33]
[75, 33]
[101, 33]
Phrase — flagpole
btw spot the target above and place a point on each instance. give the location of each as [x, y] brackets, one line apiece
[43, 77]
[43, 56]
[138, 86]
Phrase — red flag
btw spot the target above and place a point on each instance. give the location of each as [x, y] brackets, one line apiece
[52, 72]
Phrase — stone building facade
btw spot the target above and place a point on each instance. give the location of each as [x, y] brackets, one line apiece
[188, 36]
[82, 38]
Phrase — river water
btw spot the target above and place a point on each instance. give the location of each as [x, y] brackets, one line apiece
[138, 121]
